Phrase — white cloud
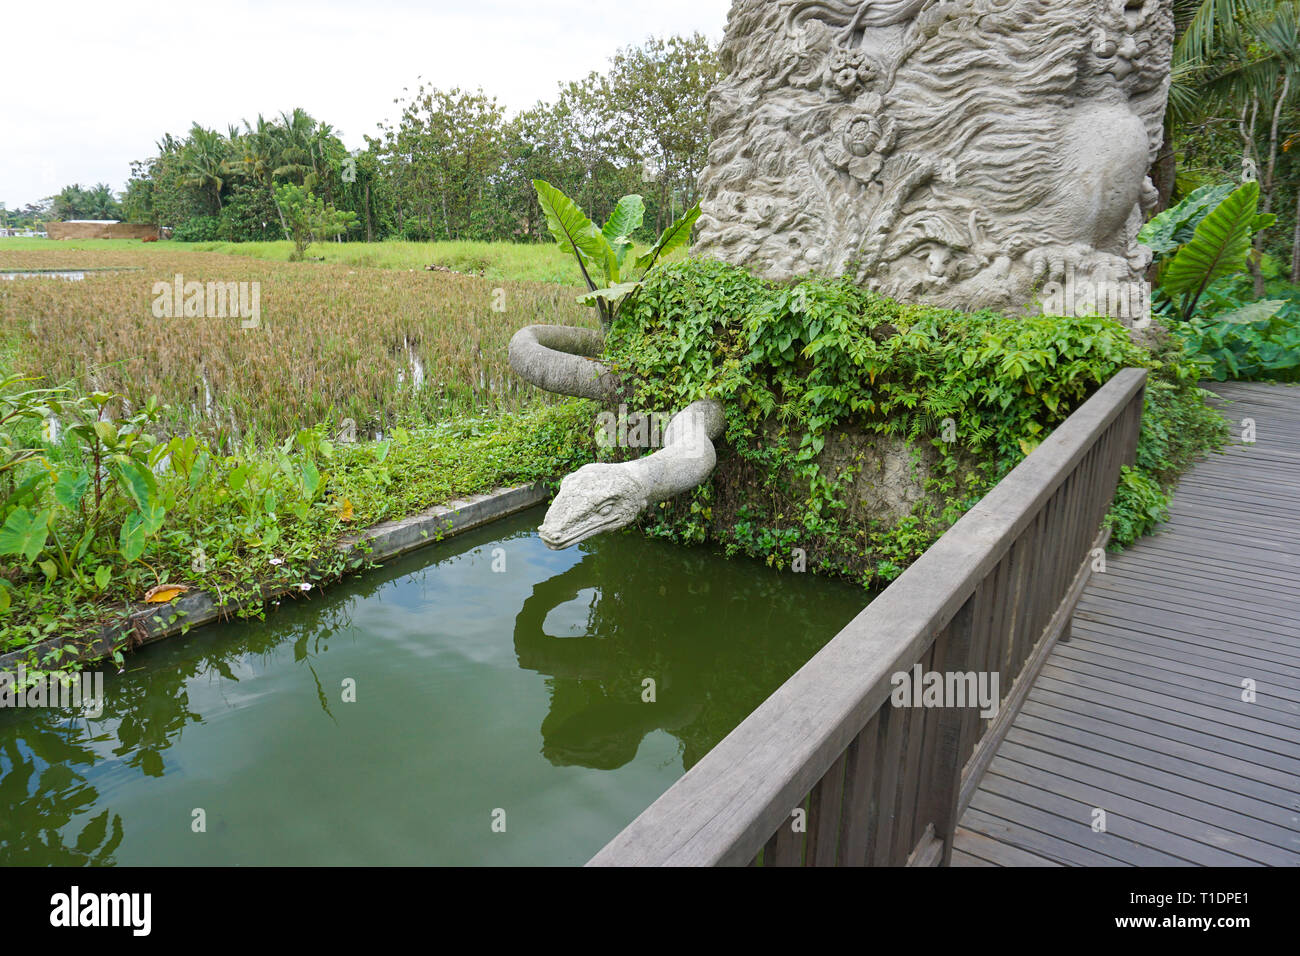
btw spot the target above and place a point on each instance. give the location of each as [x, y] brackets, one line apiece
[105, 81]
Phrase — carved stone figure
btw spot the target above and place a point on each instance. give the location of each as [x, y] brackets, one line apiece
[960, 153]
[602, 497]
[885, 476]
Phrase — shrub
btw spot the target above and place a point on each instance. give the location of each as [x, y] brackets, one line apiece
[794, 364]
[250, 215]
[198, 229]
[1139, 506]
[1237, 338]
[415, 231]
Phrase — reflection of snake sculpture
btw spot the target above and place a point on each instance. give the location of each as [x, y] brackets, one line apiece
[597, 717]
[602, 497]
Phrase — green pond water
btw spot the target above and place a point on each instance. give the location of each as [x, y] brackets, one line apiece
[494, 680]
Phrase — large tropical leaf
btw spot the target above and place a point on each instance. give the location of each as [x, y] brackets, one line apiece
[71, 487]
[1218, 247]
[132, 538]
[1262, 221]
[1252, 312]
[674, 237]
[613, 294]
[1173, 227]
[623, 221]
[24, 533]
[138, 482]
[572, 229]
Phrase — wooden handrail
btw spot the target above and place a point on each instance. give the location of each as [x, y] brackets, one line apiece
[880, 784]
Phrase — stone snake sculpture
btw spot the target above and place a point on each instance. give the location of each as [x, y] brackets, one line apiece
[603, 497]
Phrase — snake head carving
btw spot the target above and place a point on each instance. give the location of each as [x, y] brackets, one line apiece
[594, 499]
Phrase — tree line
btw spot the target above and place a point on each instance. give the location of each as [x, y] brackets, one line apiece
[452, 165]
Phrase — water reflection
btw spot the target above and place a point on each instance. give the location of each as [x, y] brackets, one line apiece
[50, 790]
[477, 690]
[716, 641]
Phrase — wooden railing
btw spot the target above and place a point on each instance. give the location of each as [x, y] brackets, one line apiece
[880, 784]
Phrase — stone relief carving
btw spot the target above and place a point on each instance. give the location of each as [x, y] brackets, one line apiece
[960, 153]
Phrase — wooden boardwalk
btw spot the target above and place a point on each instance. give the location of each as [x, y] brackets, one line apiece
[1140, 714]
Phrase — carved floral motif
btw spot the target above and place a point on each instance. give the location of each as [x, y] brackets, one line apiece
[959, 151]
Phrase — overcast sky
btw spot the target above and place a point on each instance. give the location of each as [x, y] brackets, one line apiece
[103, 81]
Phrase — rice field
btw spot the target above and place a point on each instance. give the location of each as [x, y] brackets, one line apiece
[380, 346]
[524, 262]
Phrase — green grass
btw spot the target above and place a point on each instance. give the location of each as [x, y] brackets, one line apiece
[525, 262]
[264, 529]
[492, 260]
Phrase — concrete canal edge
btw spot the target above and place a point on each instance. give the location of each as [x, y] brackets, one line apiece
[386, 542]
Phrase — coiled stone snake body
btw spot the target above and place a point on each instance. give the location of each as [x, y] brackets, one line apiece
[603, 497]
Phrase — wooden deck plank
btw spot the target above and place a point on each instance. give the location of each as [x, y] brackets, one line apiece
[1141, 713]
[1259, 646]
[1211, 818]
[1146, 843]
[1222, 694]
[981, 850]
[1246, 757]
[1108, 632]
[964, 859]
[1116, 746]
[1174, 671]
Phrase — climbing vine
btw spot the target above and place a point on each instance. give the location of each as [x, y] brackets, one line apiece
[959, 398]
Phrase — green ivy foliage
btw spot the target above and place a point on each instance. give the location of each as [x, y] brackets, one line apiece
[795, 365]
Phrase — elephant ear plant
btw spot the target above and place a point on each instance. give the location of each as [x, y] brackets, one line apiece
[602, 253]
[59, 513]
[1201, 248]
[1205, 237]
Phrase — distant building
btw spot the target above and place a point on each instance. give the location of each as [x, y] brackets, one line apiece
[100, 229]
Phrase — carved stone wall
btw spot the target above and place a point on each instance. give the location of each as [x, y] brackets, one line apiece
[961, 153]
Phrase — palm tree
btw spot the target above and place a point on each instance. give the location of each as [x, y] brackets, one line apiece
[203, 162]
[168, 144]
[1253, 75]
[1237, 58]
[1202, 28]
[100, 203]
[257, 150]
[70, 203]
[296, 136]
